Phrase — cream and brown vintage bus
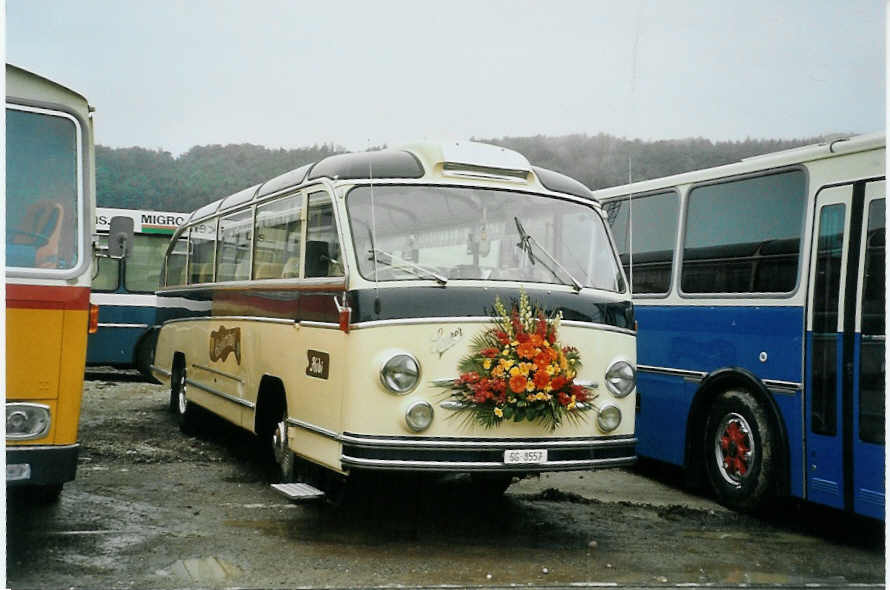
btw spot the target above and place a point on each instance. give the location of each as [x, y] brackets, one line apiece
[437, 307]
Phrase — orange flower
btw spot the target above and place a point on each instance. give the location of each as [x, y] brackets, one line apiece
[517, 383]
[541, 379]
[526, 350]
[536, 340]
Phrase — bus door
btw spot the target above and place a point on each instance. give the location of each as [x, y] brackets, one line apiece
[844, 374]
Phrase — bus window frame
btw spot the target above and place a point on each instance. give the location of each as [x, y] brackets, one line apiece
[675, 256]
[84, 237]
[803, 250]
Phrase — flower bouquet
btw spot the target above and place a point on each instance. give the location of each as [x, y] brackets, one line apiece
[517, 370]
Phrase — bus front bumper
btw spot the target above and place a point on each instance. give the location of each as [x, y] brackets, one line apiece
[485, 454]
[40, 465]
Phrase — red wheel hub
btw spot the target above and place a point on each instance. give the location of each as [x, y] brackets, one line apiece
[735, 447]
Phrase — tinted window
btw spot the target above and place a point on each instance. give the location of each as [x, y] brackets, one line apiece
[827, 278]
[143, 266]
[107, 272]
[744, 236]
[872, 360]
[322, 244]
[41, 191]
[278, 238]
[233, 257]
[654, 236]
[176, 263]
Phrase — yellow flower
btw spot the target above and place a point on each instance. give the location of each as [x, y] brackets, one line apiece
[498, 371]
[551, 370]
[540, 396]
[487, 364]
[530, 386]
[515, 343]
[499, 412]
[505, 352]
[514, 371]
[530, 398]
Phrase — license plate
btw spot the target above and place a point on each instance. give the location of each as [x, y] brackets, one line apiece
[515, 456]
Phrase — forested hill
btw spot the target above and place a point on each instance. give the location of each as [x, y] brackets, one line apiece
[139, 178]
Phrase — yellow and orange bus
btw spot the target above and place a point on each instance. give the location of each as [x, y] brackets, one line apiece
[50, 202]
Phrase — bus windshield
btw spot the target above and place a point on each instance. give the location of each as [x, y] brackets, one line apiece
[446, 232]
[41, 190]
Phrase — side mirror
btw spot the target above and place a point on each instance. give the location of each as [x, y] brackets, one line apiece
[120, 236]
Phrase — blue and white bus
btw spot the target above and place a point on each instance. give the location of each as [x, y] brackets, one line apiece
[759, 293]
[124, 290]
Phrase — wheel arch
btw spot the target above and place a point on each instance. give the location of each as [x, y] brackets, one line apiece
[271, 400]
[711, 386]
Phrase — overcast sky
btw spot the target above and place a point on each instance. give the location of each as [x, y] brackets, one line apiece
[286, 73]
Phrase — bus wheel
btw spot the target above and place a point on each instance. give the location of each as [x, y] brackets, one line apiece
[281, 452]
[739, 449]
[45, 494]
[185, 410]
[490, 485]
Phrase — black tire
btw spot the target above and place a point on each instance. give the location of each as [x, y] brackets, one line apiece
[44, 494]
[490, 485]
[740, 451]
[186, 411]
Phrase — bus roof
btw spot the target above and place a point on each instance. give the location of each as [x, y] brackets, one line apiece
[452, 160]
[22, 83]
[808, 153]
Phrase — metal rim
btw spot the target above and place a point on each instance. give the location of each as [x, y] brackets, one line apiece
[735, 451]
[182, 401]
[279, 442]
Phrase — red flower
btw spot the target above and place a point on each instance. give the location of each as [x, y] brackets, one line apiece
[522, 337]
[541, 379]
[466, 378]
[490, 352]
[579, 393]
[563, 398]
[502, 337]
[558, 382]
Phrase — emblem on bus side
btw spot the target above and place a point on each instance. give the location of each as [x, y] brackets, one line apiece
[443, 340]
[319, 364]
[224, 342]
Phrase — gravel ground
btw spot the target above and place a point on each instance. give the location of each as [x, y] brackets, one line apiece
[152, 507]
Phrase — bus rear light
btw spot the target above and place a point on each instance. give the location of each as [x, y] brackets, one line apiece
[94, 319]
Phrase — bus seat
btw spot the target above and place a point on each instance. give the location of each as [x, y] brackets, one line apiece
[41, 228]
[268, 270]
[317, 258]
[291, 268]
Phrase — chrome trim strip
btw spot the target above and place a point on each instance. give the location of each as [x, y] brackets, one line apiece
[326, 325]
[477, 320]
[313, 428]
[674, 372]
[484, 465]
[429, 443]
[294, 284]
[160, 371]
[231, 318]
[41, 448]
[873, 337]
[143, 326]
[786, 385]
[231, 398]
[217, 372]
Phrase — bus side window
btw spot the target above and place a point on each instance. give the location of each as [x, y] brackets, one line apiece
[277, 244]
[322, 244]
[176, 264]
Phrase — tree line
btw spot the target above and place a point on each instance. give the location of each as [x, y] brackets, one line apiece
[140, 178]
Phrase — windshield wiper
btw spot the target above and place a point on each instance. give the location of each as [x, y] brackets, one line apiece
[527, 244]
[415, 269]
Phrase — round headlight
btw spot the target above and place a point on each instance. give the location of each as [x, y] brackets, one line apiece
[609, 418]
[419, 416]
[26, 421]
[621, 378]
[400, 374]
